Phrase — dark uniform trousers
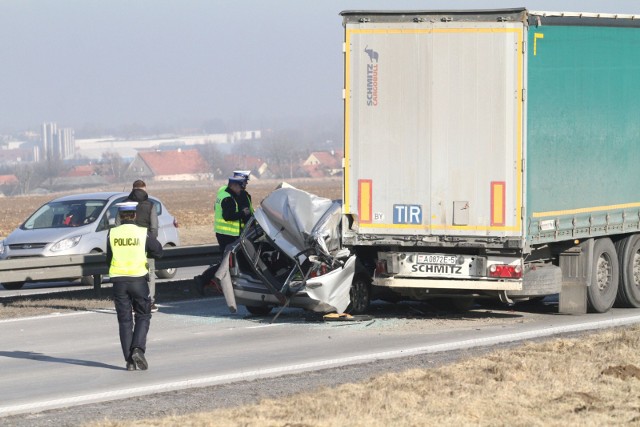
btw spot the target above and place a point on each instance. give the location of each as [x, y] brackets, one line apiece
[133, 292]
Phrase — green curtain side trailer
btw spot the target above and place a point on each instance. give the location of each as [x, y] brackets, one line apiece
[493, 153]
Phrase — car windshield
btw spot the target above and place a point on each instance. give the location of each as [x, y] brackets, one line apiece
[71, 213]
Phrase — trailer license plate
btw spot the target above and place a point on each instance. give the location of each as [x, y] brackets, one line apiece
[438, 265]
[436, 259]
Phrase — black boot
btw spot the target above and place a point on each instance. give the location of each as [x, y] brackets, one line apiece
[199, 285]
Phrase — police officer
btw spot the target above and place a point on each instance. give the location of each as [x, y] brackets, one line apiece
[128, 246]
[146, 216]
[231, 212]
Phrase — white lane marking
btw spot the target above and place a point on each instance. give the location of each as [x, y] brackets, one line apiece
[97, 310]
[310, 366]
[270, 325]
[46, 316]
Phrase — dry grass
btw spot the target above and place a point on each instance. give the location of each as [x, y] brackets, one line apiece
[593, 380]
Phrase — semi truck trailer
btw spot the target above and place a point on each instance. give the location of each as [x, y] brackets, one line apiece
[493, 154]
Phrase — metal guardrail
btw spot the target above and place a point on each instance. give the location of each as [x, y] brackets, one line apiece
[63, 267]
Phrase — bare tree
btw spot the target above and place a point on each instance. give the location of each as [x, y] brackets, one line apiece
[284, 154]
[214, 158]
[51, 168]
[27, 177]
[112, 164]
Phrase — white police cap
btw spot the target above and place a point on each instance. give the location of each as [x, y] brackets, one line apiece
[236, 180]
[243, 174]
[127, 206]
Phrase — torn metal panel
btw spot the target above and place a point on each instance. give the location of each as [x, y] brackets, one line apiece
[333, 288]
[293, 248]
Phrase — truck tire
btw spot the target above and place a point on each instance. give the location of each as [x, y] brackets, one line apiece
[603, 289]
[360, 294]
[628, 250]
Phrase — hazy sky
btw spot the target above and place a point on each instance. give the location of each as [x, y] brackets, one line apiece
[151, 62]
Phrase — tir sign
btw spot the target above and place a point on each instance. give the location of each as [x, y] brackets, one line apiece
[407, 214]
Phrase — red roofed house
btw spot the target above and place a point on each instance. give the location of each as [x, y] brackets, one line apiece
[79, 177]
[170, 165]
[81, 170]
[256, 165]
[322, 164]
[8, 179]
[8, 184]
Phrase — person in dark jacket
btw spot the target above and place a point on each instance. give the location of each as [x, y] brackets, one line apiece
[243, 198]
[146, 214]
[147, 217]
[128, 246]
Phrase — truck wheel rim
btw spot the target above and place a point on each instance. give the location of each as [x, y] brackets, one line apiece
[604, 272]
[636, 269]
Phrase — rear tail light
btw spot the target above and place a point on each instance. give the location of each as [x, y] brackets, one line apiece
[505, 271]
[231, 261]
[321, 270]
[175, 223]
[381, 266]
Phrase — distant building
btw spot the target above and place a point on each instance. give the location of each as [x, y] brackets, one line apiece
[49, 131]
[18, 155]
[93, 148]
[170, 165]
[322, 164]
[8, 184]
[57, 144]
[80, 176]
[256, 165]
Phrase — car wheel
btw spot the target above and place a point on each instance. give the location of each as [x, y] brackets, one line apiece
[360, 294]
[88, 280]
[259, 310]
[13, 286]
[168, 273]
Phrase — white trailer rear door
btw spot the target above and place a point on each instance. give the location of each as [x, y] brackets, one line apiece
[434, 128]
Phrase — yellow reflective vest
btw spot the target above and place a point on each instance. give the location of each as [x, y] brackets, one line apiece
[222, 226]
[128, 242]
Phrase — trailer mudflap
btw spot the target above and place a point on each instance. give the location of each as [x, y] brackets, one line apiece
[577, 265]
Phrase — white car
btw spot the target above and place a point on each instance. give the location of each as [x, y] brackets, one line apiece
[290, 255]
[76, 225]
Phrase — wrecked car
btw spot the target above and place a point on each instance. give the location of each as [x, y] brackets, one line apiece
[290, 255]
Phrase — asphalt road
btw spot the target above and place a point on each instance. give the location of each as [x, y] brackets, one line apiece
[62, 361]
